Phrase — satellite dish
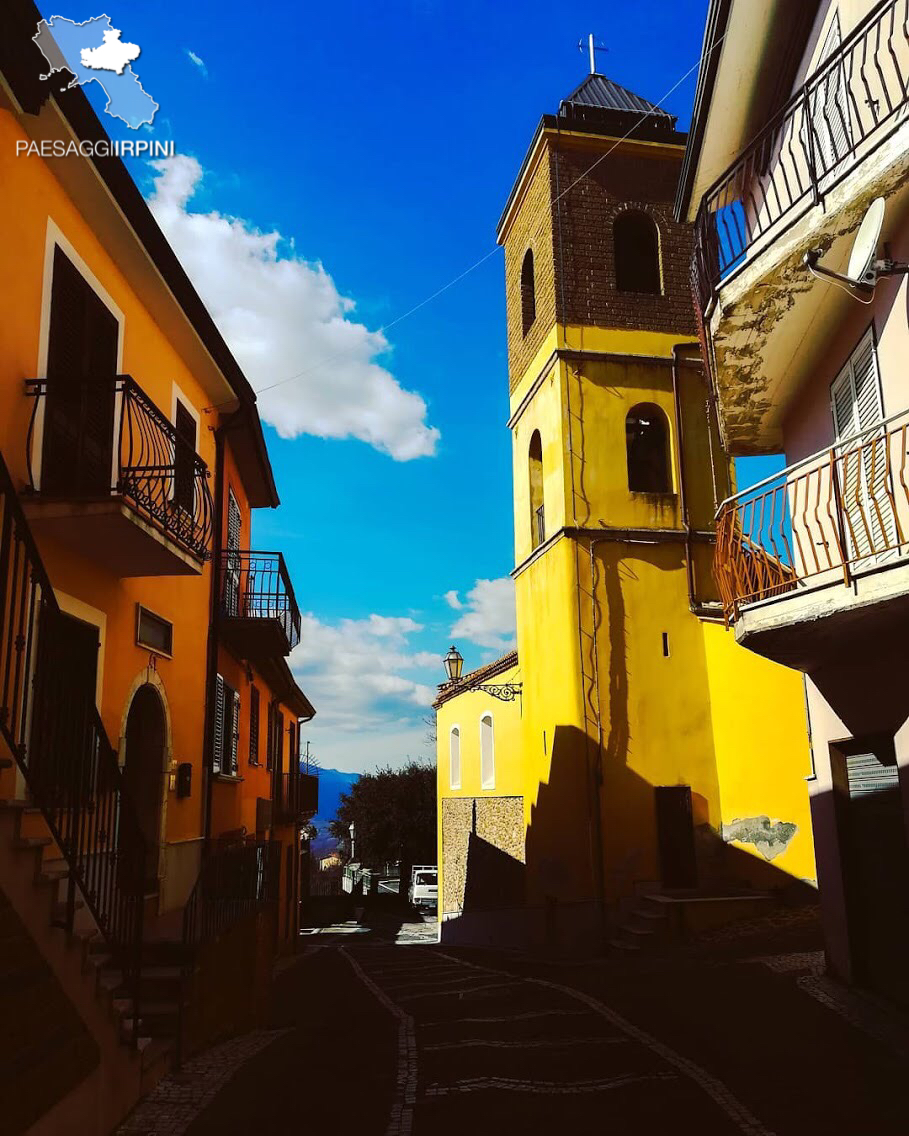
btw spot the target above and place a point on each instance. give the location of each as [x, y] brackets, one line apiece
[864, 248]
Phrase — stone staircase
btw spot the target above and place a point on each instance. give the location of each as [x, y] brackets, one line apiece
[660, 919]
[131, 1054]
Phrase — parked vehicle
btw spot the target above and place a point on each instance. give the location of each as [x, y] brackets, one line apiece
[424, 886]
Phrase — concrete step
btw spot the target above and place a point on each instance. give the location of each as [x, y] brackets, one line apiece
[646, 919]
[620, 945]
[24, 843]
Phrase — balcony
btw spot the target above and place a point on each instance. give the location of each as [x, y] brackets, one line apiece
[296, 797]
[260, 619]
[109, 476]
[819, 548]
[805, 181]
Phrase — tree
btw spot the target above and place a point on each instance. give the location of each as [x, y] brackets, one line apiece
[394, 815]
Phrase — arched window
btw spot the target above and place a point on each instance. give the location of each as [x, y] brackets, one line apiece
[535, 470]
[636, 246]
[647, 447]
[454, 758]
[487, 753]
[528, 293]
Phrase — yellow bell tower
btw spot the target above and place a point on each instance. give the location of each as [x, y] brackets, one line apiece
[618, 469]
[646, 749]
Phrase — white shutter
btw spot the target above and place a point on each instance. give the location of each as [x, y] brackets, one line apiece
[234, 521]
[235, 733]
[830, 106]
[218, 747]
[858, 411]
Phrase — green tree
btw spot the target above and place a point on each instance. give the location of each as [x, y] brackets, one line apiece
[394, 815]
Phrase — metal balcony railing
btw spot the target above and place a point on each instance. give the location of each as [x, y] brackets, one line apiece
[295, 796]
[256, 585]
[838, 513]
[831, 124]
[106, 438]
[234, 881]
[52, 728]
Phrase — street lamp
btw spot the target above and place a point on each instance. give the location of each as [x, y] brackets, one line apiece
[454, 664]
[351, 829]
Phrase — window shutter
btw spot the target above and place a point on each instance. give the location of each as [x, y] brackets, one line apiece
[235, 732]
[218, 749]
[253, 725]
[270, 737]
[184, 455]
[279, 741]
[233, 522]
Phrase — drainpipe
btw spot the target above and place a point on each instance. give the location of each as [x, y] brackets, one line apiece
[214, 605]
[683, 499]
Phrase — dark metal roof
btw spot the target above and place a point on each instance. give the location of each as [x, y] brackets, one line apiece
[598, 91]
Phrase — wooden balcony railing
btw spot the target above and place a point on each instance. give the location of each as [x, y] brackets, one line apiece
[256, 586]
[105, 438]
[831, 124]
[295, 796]
[838, 513]
[52, 728]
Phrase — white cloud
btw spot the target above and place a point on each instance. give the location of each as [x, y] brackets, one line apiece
[284, 316]
[489, 615]
[112, 54]
[371, 689]
[199, 62]
[453, 600]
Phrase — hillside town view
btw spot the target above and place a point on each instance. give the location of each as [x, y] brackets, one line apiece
[454, 568]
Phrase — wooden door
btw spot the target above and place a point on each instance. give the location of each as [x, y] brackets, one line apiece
[675, 836]
[79, 407]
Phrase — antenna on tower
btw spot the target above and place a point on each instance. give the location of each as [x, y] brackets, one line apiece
[592, 47]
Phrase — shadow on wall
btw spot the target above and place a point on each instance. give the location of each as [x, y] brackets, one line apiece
[554, 899]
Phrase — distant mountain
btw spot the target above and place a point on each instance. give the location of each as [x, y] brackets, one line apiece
[332, 783]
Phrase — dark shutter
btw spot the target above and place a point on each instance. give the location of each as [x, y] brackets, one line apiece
[270, 737]
[81, 365]
[293, 759]
[184, 458]
[279, 742]
[234, 731]
[253, 725]
[218, 752]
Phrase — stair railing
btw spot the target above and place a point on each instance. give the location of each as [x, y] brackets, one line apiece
[54, 732]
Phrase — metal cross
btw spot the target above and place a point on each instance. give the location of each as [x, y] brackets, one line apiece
[592, 47]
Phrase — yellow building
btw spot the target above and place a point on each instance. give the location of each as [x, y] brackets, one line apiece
[645, 750]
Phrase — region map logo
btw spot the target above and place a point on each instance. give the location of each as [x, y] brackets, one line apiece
[93, 52]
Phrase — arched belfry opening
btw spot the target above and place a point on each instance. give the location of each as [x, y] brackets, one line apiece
[528, 292]
[647, 450]
[144, 771]
[535, 474]
[636, 249]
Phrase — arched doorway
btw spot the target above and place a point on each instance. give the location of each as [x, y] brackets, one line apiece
[144, 772]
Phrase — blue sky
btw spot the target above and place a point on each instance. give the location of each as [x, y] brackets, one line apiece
[378, 142]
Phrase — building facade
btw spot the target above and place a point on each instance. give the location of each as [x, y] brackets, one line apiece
[149, 722]
[809, 170]
[636, 765]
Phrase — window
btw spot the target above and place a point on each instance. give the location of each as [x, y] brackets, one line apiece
[636, 246]
[154, 632]
[227, 728]
[184, 458]
[487, 753]
[528, 293]
[535, 471]
[253, 725]
[647, 448]
[454, 758]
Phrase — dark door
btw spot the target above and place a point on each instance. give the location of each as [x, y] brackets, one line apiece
[675, 836]
[79, 407]
[875, 867]
[61, 755]
[144, 772]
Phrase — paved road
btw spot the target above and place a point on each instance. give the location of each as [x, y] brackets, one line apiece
[386, 1034]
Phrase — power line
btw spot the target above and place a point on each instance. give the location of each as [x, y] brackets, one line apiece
[467, 271]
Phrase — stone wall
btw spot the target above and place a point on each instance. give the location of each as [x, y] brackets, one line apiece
[482, 853]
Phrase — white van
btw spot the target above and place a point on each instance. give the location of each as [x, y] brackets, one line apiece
[424, 887]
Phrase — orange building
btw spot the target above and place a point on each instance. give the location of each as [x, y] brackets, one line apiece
[151, 792]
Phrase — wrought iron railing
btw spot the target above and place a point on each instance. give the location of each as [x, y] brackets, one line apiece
[842, 511]
[830, 125]
[105, 437]
[295, 796]
[234, 882]
[256, 585]
[49, 722]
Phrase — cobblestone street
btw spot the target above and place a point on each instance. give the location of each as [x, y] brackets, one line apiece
[382, 1031]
